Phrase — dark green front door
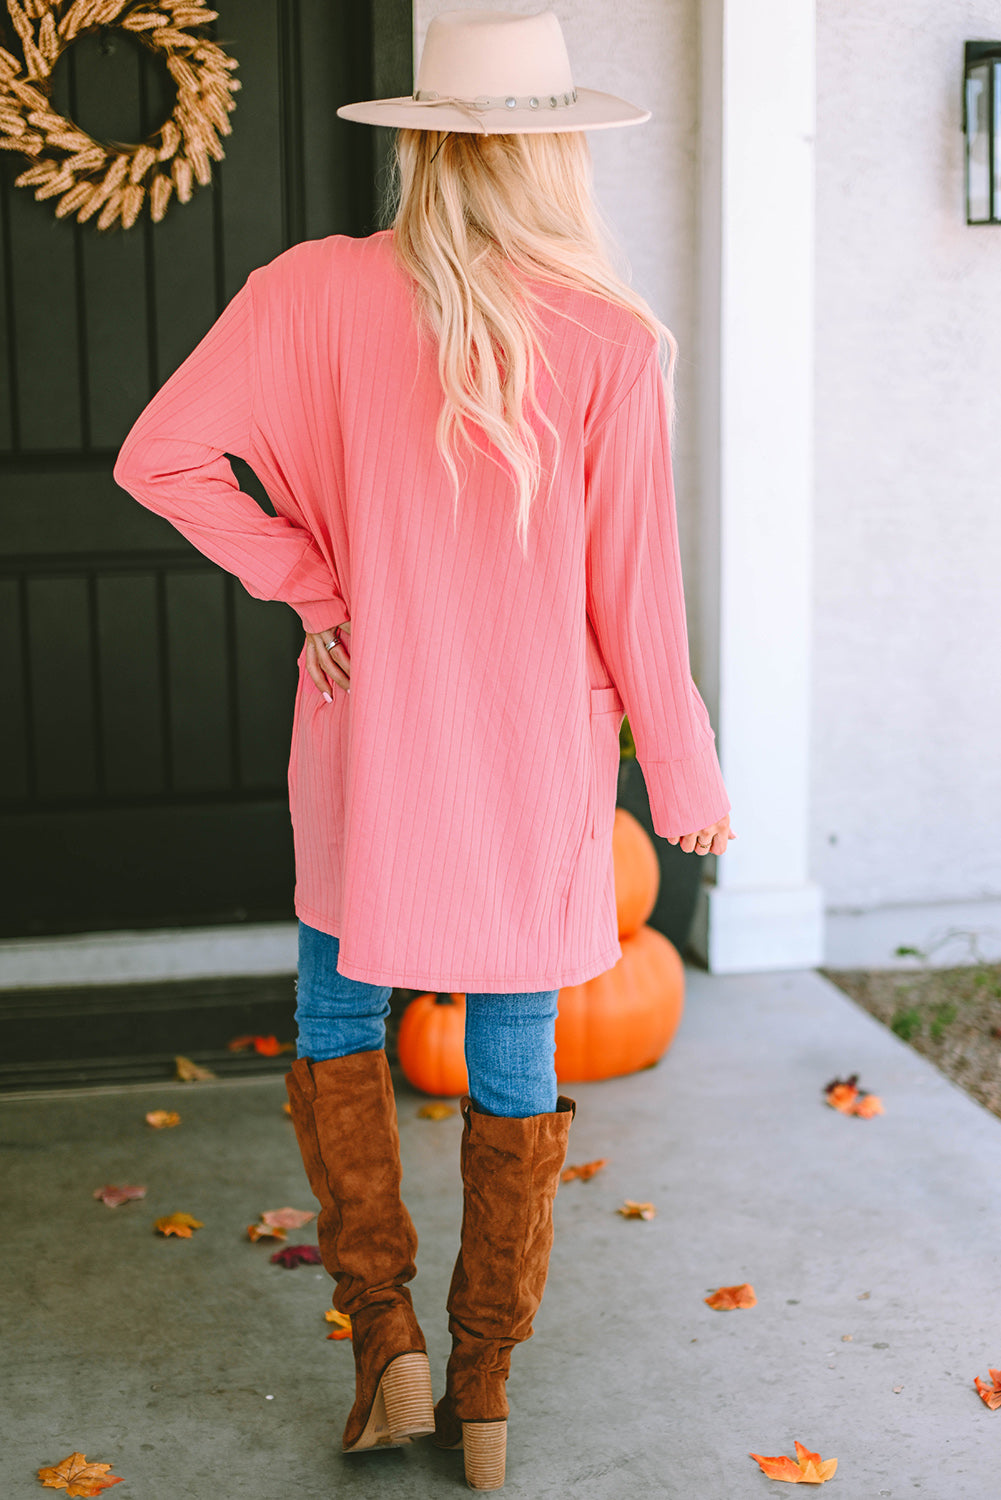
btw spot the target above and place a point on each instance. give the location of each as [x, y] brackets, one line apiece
[147, 698]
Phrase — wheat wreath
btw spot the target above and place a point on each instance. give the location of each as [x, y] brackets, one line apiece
[115, 180]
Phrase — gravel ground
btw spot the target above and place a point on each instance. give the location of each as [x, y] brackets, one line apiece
[950, 1016]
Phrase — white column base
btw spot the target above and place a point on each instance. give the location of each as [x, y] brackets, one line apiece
[739, 931]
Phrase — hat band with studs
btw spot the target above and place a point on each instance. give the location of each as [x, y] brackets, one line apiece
[500, 101]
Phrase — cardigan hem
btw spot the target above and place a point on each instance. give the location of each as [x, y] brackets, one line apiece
[405, 977]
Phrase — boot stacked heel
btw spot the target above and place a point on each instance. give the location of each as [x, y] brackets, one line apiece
[402, 1409]
[484, 1449]
[406, 1392]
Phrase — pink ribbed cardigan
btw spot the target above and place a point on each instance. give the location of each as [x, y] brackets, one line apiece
[452, 817]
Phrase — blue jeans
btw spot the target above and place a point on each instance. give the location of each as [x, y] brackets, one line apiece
[510, 1039]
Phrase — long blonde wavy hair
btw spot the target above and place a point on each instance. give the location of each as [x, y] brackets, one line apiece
[473, 216]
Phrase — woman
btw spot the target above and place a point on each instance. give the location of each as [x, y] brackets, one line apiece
[464, 429]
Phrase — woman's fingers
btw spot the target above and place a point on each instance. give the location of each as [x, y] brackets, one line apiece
[688, 842]
[333, 661]
[327, 661]
[712, 840]
[313, 668]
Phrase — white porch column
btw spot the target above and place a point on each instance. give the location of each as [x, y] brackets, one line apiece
[755, 351]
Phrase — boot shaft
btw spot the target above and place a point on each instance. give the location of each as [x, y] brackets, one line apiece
[510, 1174]
[344, 1114]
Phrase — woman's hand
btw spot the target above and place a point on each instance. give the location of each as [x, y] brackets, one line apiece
[708, 840]
[329, 666]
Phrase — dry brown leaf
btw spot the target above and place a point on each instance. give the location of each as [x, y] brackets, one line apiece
[162, 1119]
[585, 1172]
[436, 1111]
[342, 1330]
[727, 1297]
[287, 1218]
[191, 1072]
[810, 1468]
[113, 1196]
[632, 1210]
[990, 1395]
[77, 1477]
[180, 1224]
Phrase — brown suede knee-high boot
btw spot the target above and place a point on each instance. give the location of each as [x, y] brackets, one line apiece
[344, 1113]
[510, 1172]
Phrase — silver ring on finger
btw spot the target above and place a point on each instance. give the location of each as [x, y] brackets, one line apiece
[335, 642]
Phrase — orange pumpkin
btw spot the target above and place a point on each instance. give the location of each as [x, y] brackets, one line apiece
[625, 1019]
[430, 1044]
[622, 1021]
[637, 872]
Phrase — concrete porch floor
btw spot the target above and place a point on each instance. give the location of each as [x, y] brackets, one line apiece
[159, 1356]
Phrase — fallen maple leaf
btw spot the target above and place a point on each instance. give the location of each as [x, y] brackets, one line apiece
[990, 1395]
[631, 1210]
[585, 1172]
[160, 1119]
[297, 1255]
[436, 1111]
[180, 1224]
[257, 1232]
[288, 1218]
[844, 1095]
[810, 1468]
[77, 1477]
[275, 1222]
[727, 1297]
[265, 1046]
[191, 1072]
[113, 1196]
[343, 1329]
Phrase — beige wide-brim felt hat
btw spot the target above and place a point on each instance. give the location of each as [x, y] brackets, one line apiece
[494, 73]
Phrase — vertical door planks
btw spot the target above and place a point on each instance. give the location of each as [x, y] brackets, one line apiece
[144, 741]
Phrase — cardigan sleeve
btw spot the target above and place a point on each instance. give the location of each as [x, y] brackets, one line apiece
[636, 605]
[173, 461]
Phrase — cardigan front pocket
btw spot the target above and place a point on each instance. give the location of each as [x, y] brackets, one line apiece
[605, 718]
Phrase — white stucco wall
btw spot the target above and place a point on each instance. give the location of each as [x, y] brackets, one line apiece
[644, 51]
[907, 637]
